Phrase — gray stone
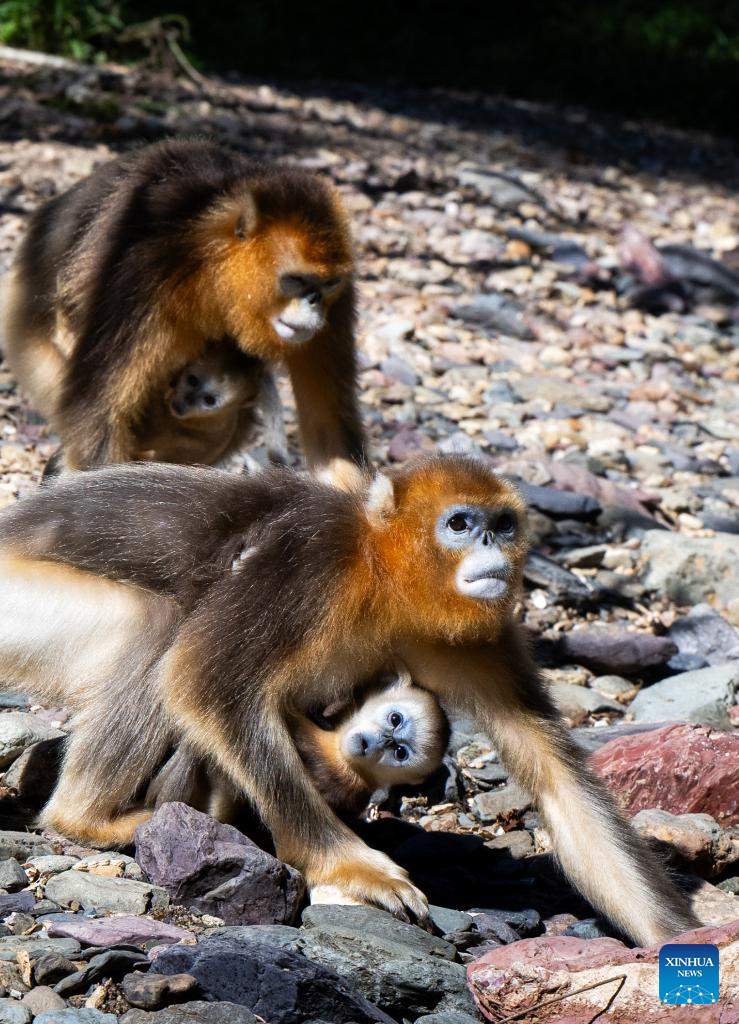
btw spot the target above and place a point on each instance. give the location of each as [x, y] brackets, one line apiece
[12, 875]
[611, 651]
[19, 730]
[23, 845]
[495, 312]
[51, 968]
[34, 773]
[450, 922]
[511, 799]
[691, 570]
[196, 1012]
[205, 864]
[587, 929]
[76, 1015]
[704, 696]
[398, 979]
[117, 895]
[12, 1012]
[703, 632]
[151, 991]
[370, 921]
[576, 702]
[695, 841]
[114, 963]
[611, 686]
[11, 699]
[281, 986]
[448, 1017]
[52, 864]
[41, 999]
[10, 945]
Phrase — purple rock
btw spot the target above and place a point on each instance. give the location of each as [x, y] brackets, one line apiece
[16, 903]
[112, 931]
[205, 864]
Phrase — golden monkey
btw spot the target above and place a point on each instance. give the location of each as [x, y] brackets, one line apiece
[157, 256]
[168, 605]
[390, 733]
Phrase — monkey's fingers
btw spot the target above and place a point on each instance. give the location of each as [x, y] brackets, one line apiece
[365, 876]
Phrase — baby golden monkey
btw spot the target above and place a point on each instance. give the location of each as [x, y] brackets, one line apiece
[390, 733]
[129, 275]
[210, 408]
[168, 604]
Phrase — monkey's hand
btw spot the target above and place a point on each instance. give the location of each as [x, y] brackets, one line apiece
[360, 875]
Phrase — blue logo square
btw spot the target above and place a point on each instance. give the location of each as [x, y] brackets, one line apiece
[688, 974]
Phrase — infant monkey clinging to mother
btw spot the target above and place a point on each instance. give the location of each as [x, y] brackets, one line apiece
[390, 732]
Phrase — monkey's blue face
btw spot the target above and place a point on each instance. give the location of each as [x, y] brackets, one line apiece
[389, 742]
[484, 537]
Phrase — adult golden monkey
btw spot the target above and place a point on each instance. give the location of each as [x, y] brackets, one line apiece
[175, 248]
[166, 605]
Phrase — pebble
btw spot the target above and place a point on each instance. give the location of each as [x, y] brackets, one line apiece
[577, 702]
[151, 991]
[35, 946]
[114, 963]
[196, 1012]
[117, 895]
[704, 696]
[511, 799]
[691, 570]
[12, 875]
[22, 845]
[704, 633]
[52, 864]
[41, 999]
[76, 1015]
[611, 686]
[12, 1012]
[19, 730]
[51, 968]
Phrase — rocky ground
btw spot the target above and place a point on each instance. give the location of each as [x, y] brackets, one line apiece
[560, 294]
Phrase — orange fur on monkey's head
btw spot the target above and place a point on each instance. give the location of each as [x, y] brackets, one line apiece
[451, 536]
[280, 259]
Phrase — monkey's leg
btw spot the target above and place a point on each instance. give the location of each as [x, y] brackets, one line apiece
[92, 645]
[273, 420]
[322, 376]
[111, 754]
[252, 745]
[598, 850]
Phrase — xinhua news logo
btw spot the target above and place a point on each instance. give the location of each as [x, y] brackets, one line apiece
[688, 974]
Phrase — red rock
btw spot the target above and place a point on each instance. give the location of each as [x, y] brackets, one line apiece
[511, 979]
[679, 768]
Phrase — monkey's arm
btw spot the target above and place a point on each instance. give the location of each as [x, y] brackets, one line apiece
[244, 731]
[598, 850]
[323, 375]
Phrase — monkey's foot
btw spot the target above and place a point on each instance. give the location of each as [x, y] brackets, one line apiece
[104, 833]
[365, 876]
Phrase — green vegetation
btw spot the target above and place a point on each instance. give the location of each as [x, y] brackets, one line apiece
[671, 59]
[83, 29]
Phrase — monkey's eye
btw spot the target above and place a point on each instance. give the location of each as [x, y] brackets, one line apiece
[505, 523]
[192, 380]
[395, 719]
[209, 400]
[458, 522]
[401, 753]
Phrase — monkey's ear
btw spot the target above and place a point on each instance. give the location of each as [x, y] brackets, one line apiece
[401, 677]
[380, 502]
[247, 218]
[234, 216]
